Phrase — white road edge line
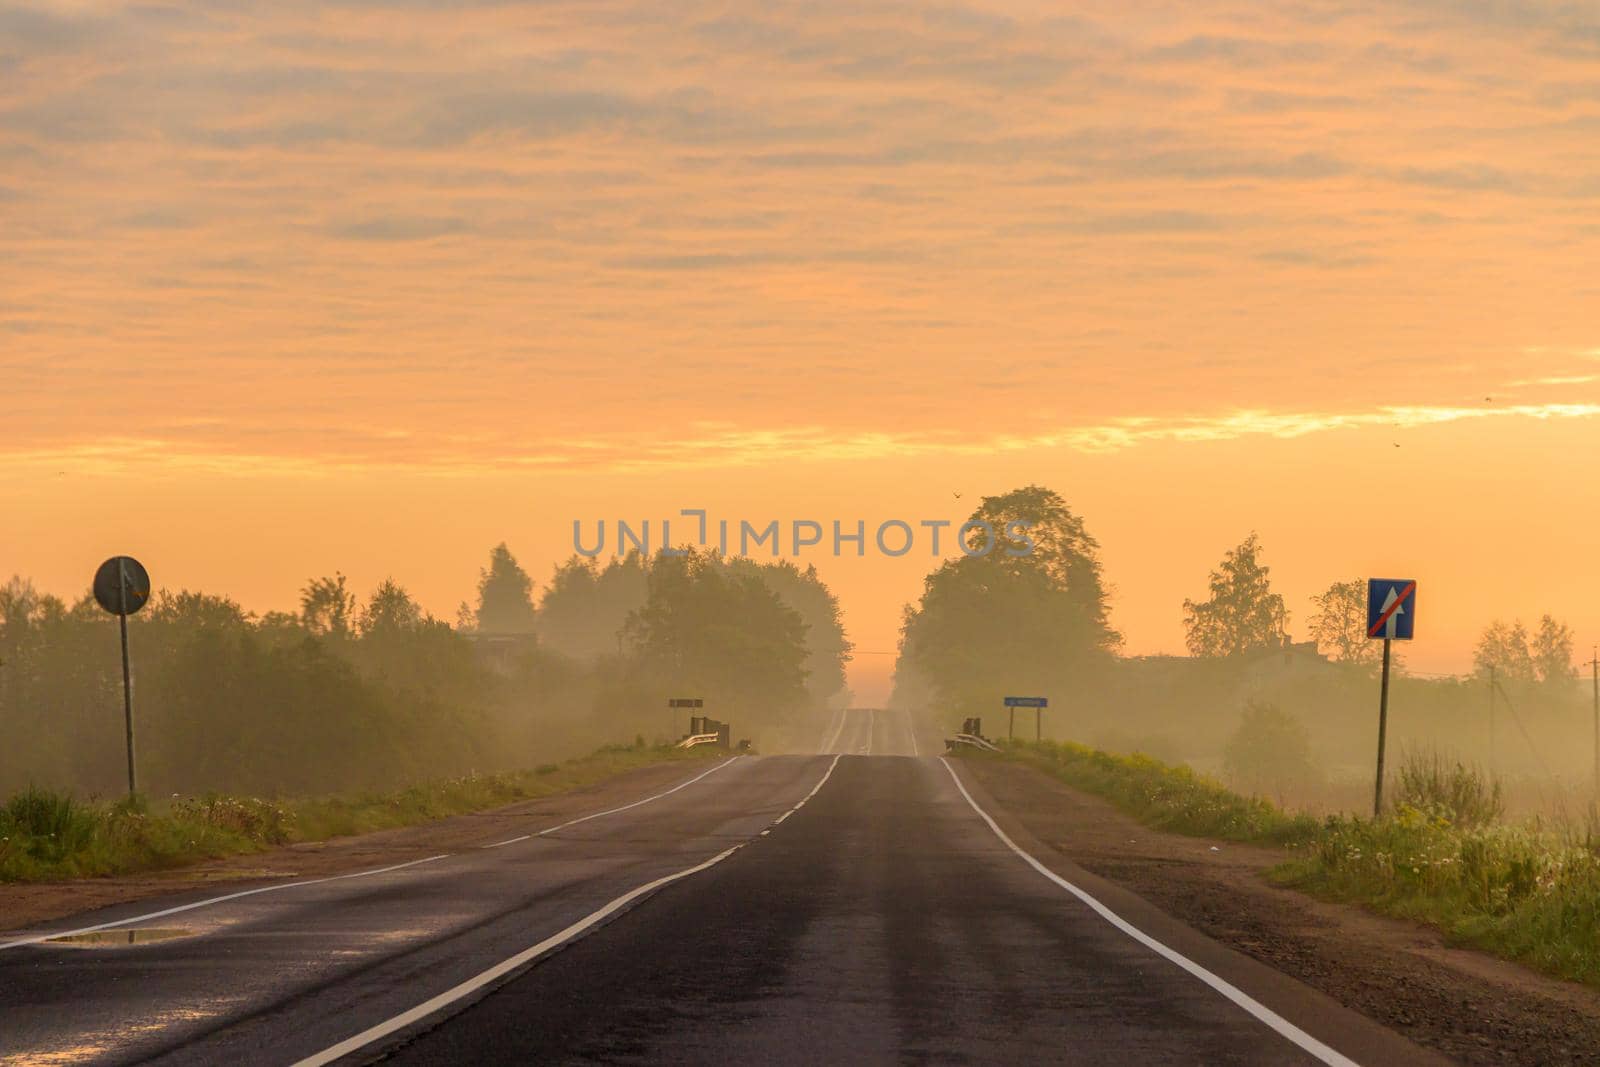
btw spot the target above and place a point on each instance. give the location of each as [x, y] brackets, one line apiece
[508, 841]
[612, 811]
[1261, 1012]
[34, 939]
[911, 731]
[528, 955]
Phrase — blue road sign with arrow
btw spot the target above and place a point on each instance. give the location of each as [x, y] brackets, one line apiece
[1391, 608]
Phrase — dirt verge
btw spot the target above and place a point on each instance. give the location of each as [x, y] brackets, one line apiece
[1463, 1003]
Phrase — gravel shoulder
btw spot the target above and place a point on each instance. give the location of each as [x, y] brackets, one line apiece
[1465, 1004]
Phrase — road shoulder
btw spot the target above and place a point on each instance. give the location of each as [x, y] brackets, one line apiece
[27, 904]
[1458, 1002]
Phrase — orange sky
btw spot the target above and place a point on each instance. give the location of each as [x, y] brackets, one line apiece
[368, 287]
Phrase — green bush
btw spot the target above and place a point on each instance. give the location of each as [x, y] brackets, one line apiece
[47, 825]
[1269, 753]
[1453, 791]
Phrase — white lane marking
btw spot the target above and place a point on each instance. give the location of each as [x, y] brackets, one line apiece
[1262, 1013]
[911, 732]
[34, 939]
[830, 730]
[528, 955]
[872, 728]
[613, 811]
[814, 790]
[827, 746]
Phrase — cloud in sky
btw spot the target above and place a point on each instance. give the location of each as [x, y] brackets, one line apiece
[832, 227]
[209, 445]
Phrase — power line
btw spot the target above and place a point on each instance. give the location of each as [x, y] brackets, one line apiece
[1522, 729]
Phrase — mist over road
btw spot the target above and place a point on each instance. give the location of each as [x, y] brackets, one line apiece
[878, 732]
[843, 907]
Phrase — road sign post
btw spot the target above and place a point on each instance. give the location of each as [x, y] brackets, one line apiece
[1391, 617]
[1038, 704]
[1383, 731]
[121, 587]
[672, 716]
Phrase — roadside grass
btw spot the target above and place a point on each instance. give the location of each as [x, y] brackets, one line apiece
[1166, 796]
[1528, 892]
[49, 836]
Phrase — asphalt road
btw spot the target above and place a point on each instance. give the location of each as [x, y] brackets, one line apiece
[844, 908]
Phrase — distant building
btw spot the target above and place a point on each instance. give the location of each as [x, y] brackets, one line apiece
[500, 651]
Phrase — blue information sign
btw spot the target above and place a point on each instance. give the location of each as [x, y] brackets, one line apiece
[1027, 702]
[1391, 608]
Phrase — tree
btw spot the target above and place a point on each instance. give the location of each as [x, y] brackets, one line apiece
[1503, 648]
[827, 648]
[724, 636]
[1339, 626]
[1552, 652]
[327, 606]
[390, 609]
[583, 609]
[1062, 551]
[505, 595]
[1269, 753]
[991, 624]
[1243, 613]
[197, 611]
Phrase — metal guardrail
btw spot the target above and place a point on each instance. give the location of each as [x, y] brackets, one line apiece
[699, 739]
[971, 739]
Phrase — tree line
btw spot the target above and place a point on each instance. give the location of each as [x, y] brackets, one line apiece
[1041, 625]
[356, 691]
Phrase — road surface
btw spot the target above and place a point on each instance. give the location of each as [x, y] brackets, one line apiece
[860, 906]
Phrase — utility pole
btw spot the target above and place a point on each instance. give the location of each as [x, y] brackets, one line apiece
[1594, 673]
[1492, 685]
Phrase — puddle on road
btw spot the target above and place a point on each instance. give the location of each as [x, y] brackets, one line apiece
[120, 938]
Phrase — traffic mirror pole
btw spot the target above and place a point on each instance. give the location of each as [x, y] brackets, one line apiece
[122, 586]
[1383, 728]
[127, 680]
